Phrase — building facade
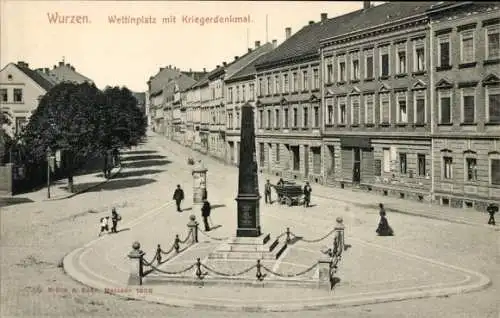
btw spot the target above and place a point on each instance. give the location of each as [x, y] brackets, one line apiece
[376, 101]
[466, 98]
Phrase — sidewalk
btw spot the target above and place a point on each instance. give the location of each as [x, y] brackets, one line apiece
[365, 199]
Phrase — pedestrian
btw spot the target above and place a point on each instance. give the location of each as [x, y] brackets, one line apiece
[279, 189]
[383, 228]
[492, 209]
[178, 197]
[104, 225]
[267, 192]
[115, 217]
[205, 213]
[307, 194]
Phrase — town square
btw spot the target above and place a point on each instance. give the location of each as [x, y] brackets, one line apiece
[349, 168]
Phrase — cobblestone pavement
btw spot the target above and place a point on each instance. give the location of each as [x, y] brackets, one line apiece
[36, 236]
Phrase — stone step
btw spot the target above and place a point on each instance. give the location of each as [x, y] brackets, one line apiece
[270, 250]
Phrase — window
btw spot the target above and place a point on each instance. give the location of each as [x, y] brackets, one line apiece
[342, 71]
[354, 67]
[269, 86]
[384, 61]
[295, 118]
[277, 153]
[385, 108]
[261, 119]
[330, 115]
[286, 84]
[402, 163]
[3, 95]
[285, 119]
[295, 84]
[420, 59]
[369, 109]
[495, 171]
[261, 86]
[277, 88]
[444, 52]
[387, 160]
[401, 62]
[316, 117]
[329, 73]
[493, 105]
[243, 97]
[252, 92]
[277, 118]
[18, 95]
[316, 162]
[471, 168]
[421, 165]
[237, 93]
[467, 47]
[493, 43]
[268, 118]
[341, 110]
[468, 106]
[355, 110]
[238, 122]
[445, 108]
[306, 117]
[402, 108]
[447, 168]
[369, 65]
[316, 79]
[305, 80]
[230, 120]
[419, 102]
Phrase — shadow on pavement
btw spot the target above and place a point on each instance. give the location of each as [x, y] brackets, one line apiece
[121, 230]
[13, 201]
[146, 163]
[139, 152]
[110, 185]
[215, 206]
[187, 209]
[137, 173]
[142, 157]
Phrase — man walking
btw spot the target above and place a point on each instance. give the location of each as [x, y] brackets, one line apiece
[267, 192]
[115, 217]
[205, 213]
[492, 209]
[178, 197]
[307, 194]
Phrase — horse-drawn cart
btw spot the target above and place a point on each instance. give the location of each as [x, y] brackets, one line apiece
[289, 193]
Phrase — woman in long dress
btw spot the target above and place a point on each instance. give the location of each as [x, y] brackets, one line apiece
[383, 228]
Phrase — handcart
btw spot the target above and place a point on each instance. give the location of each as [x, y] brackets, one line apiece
[289, 193]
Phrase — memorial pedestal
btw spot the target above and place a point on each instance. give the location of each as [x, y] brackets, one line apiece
[250, 248]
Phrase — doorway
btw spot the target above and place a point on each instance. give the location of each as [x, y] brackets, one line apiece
[356, 175]
[306, 161]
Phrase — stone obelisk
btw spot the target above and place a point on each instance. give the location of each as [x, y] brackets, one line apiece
[248, 186]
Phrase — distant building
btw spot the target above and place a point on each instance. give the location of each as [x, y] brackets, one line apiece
[21, 89]
[141, 100]
[63, 72]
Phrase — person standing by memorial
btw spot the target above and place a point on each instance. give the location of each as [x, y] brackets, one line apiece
[178, 197]
[205, 213]
[307, 194]
[267, 192]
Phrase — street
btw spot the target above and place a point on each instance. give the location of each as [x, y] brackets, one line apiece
[36, 236]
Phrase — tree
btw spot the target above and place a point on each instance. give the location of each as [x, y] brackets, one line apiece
[65, 120]
[122, 124]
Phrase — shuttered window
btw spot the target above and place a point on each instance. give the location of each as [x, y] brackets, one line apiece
[468, 109]
[495, 171]
[493, 106]
[420, 110]
[369, 109]
[355, 110]
[444, 50]
[467, 49]
[445, 107]
[369, 67]
[316, 151]
[384, 108]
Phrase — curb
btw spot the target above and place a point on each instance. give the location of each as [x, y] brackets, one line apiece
[87, 189]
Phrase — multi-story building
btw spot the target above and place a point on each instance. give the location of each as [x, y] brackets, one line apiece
[21, 89]
[289, 105]
[376, 109]
[240, 90]
[465, 46]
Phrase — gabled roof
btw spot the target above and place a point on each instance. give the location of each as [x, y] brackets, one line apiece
[36, 77]
[247, 70]
[306, 42]
[67, 73]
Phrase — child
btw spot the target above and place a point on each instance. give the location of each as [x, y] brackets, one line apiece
[104, 225]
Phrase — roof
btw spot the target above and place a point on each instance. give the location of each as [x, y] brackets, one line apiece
[247, 70]
[306, 42]
[36, 77]
[66, 72]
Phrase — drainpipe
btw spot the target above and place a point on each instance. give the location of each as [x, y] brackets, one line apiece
[432, 102]
[322, 107]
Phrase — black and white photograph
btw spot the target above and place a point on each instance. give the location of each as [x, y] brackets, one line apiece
[282, 159]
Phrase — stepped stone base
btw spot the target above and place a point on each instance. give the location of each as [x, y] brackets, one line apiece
[251, 248]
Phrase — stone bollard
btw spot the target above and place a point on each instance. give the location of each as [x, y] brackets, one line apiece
[193, 228]
[136, 255]
[324, 265]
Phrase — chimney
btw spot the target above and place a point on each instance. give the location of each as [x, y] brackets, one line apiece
[366, 5]
[22, 64]
[204, 70]
[72, 68]
[55, 66]
[170, 66]
[275, 43]
[217, 66]
[311, 22]
[68, 65]
[236, 57]
[324, 16]
[249, 50]
[61, 63]
[257, 44]
[288, 33]
[161, 69]
[46, 70]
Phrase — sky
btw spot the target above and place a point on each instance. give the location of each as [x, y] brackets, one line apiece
[128, 54]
